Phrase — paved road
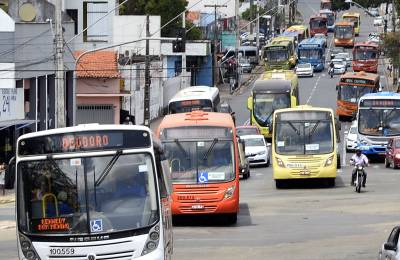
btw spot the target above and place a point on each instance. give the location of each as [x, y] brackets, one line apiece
[303, 222]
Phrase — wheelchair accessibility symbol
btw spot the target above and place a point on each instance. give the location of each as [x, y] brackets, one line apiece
[96, 225]
[203, 177]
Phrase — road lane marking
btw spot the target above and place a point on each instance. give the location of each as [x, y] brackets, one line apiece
[313, 90]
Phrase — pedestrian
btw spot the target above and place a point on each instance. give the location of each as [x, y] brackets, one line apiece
[389, 68]
[128, 121]
[2, 176]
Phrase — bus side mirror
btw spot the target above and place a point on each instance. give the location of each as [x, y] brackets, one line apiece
[250, 103]
[9, 178]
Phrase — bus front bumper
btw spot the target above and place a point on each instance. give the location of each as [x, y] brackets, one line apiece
[306, 172]
[365, 67]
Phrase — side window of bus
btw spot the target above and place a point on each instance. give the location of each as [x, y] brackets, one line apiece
[163, 175]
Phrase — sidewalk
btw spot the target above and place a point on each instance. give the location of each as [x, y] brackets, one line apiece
[9, 197]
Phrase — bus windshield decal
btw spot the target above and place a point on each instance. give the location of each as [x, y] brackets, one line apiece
[84, 141]
[52, 224]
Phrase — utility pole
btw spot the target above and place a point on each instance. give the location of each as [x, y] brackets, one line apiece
[215, 67]
[147, 82]
[237, 76]
[258, 29]
[183, 74]
[60, 88]
[251, 19]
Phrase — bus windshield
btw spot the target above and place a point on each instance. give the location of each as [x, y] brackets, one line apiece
[87, 195]
[190, 105]
[210, 161]
[277, 55]
[365, 54]
[353, 93]
[317, 23]
[266, 103]
[343, 32]
[310, 54]
[304, 137]
[379, 122]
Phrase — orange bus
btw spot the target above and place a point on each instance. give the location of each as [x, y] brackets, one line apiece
[344, 34]
[366, 56]
[318, 24]
[326, 4]
[202, 149]
[351, 87]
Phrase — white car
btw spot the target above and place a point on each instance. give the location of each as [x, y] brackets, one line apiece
[321, 36]
[351, 137]
[379, 21]
[304, 69]
[391, 248]
[339, 66]
[345, 56]
[256, 149]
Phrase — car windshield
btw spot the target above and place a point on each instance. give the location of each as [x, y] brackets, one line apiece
[337, 50]
[337, 62]
[277, 55]
[353, 93]
[317, 24]
[88, 195]
[256, 141]
[310, 54]
[304, 137]
[201, 161]
[379, 122]
[247, 131]
[365, 55]
[343, 32]
[190, 105]
[266, 103]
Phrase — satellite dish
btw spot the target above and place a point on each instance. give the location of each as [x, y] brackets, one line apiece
[27, 12]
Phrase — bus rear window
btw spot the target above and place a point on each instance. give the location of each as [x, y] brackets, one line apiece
[190, 105]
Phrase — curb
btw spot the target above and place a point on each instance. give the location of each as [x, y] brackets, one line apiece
[7, 199]
[7, 225]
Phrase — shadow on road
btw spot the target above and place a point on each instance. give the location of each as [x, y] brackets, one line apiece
[313, 184]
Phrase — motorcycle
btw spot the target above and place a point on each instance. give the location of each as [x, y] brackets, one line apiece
[331, 72]
[359, 177]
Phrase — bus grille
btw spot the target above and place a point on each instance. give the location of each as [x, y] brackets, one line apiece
[196, 190]
[206, 209]
[313, 160]
[123, 255]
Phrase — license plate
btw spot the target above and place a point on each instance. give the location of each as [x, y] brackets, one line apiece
[295, 165]
[198, 207]
[62, 251]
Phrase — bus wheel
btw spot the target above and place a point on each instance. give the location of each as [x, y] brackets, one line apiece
[231, 218]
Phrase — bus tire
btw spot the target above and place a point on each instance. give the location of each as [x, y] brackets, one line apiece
[231, 218]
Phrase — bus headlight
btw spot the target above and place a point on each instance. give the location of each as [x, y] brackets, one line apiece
[27, 248]
[152, 240]
[329, 161]
[280, 162]
[229, 192]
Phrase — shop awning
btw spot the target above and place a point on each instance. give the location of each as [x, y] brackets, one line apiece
[20, 123]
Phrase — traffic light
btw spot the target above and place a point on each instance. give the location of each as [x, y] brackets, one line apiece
[178, 45]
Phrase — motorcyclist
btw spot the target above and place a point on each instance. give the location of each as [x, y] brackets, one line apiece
[359, 159]
[331, 66]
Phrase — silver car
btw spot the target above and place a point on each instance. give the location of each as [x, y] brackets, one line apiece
[391, 248]
[345, 56]
[339, 66]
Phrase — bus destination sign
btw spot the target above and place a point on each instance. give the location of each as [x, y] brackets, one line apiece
[357, 81]
[380, 103]
[276, 48]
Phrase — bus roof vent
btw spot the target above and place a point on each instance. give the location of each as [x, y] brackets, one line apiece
[196, 115]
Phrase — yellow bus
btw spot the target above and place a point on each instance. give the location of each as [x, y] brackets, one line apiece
[280, 53]
[355, 18]
[274, 90]
[302, 29]
[304, 145]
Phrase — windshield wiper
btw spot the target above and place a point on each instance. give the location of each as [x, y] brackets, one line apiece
[55, 165]
[314, 128]
[182, 149]
[297, 131]
[205, 156]
[108, 168]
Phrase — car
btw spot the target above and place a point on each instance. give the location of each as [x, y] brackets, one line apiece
[390, 249]
[247, 130]
[339, 66]
[379, 21]
[336, 50]
[244, 166]
[321, 36]
[256, 149]
[304, 69]
[345, 56]
[351, 137]
[245, 65]
[392, 154]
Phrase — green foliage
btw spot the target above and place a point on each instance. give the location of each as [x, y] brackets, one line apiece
[391, 45]
[194, 33]
[167, 9]
[339, 5]
[246, 14]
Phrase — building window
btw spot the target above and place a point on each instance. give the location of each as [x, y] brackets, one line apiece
[92, 12]
[73, 13]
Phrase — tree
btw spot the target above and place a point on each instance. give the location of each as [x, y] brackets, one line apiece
[193, 32]
[391, 45]
[167, 9]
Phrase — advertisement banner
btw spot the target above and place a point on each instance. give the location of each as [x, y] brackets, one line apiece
[11, 104]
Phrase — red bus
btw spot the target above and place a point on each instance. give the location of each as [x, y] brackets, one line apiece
[202, 149]
[318, 24]
[365, 56]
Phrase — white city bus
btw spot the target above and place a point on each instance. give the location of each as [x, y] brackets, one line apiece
[195, 98]
[93, 192]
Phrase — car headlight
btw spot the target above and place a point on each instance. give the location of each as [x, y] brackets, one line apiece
[229, 192]
[280, 162]
[152, 240]
[397, 156]
[329, 161]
